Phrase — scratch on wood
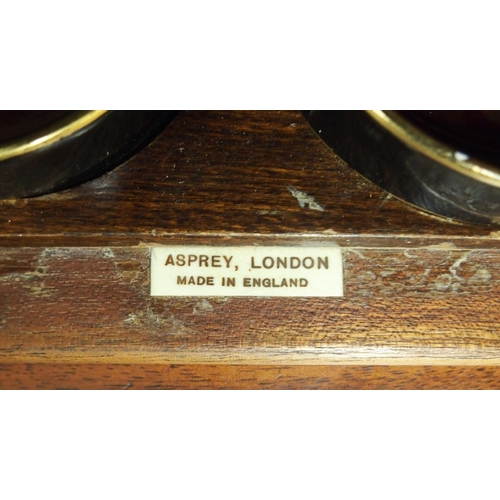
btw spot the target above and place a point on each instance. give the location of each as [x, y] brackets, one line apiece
[481, 276]
[268, 212]
[445, 245]
[442, 282]
[305, 201]
[452, 279]
[454, 267]
[132, 319]
[108, 253]
[40, 290]
[159, 324]
[130, 271]
[31, 273]
[358, 253]
[202, 306]
[384, 197]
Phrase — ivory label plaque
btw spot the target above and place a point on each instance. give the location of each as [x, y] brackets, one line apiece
[256, 271]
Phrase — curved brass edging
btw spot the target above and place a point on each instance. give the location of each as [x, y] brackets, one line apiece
[436, 150]
[61, 129]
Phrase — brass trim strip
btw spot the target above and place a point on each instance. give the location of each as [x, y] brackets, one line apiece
[436, 150]
[50, 135]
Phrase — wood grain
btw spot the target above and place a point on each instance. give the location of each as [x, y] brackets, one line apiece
[228, 174]
[425, 306]
[74, 271]
[245, 377]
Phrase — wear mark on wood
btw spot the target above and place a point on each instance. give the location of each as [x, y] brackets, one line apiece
[268, 212]
[203, 306]
[305, 201]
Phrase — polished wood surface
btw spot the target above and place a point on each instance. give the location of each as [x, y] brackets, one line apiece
[401, 306]
[74, 273]
[246, 377]
[226, 174]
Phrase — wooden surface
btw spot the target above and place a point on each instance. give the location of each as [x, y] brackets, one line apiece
[74, 273]
[425, 306]
[226, 174]
[249, 377]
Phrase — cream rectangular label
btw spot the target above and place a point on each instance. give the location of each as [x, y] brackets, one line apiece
[255, 271]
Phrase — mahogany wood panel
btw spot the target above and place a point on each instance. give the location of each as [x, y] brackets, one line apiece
[426, 306]
[84, 376]
[74, 271]
[226, 174]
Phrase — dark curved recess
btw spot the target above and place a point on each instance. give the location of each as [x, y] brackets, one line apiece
[95, 149]
[402, 171]
[476, 133]
[15, 124]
